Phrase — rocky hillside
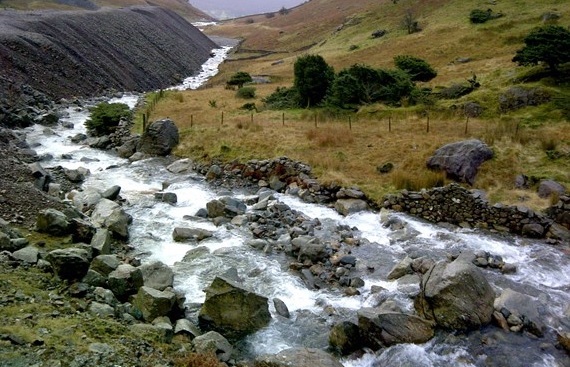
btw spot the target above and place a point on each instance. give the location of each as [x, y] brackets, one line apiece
[85, 53]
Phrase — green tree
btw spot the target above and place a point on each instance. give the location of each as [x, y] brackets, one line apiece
[105, 117]
[549, 44]
[246, 92]
[239, 79]
[313, 78]
[418, 69]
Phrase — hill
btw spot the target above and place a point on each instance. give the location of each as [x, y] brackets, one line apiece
[182, 7]
[523, 139]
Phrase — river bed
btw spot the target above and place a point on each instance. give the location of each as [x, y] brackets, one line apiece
[543, 271]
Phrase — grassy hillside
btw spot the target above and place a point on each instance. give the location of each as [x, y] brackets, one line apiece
[182, 7]
[534, 141]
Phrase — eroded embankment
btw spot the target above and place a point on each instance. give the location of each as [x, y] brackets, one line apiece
[64, 54]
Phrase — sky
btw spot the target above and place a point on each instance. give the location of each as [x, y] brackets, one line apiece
[223, 9]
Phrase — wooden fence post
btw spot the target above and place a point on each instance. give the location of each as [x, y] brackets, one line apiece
[389, 123]
[427, 129]
[283, 119]
[222, 117]
[466, 125]
[349, 123]
[315, 120]
[191, 120]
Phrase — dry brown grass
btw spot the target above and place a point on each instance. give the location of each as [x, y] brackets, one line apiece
[379, 134]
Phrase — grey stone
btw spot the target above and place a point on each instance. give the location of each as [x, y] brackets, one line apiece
[522, 307]
[345, 337]
[157, 275]
[159, 138]
[125, 281]
[184, 234]
[105, 264]
[400, 269]
[53, 222]
[112, 193]
[547, 188]
[105, 296]
[153, 303]
[101, 309]
[70, 263]
[281, 308]
[101, 242]
[461, 160]
[350, 206]
[181, 166]
[299, 357]
[186, 327]
[213, 342]
[110, 215]
[28, 255]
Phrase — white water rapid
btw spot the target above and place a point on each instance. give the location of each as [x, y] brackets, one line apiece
[543, 272]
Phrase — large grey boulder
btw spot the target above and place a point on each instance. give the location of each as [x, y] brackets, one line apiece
[108, 214]
[70, 263]
[213, 342]
[28, 254]
[299, 357]
[159, 138]
[232, 310]
[456, 296]
[381, 328]
[125, 281]
[187, 328]
[461, 160]
[309, 248]
[345, 337]
[157, 275]
[181, 166]
[53, 222]
[153, 303]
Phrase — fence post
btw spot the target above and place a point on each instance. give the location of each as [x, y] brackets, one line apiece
[222, 117]
[252, 118]
[283, 119]
[349, 123]
[315, 120]
[191, 120]
[144, 122]
[389, 123]
[427, 123]
[466, 124]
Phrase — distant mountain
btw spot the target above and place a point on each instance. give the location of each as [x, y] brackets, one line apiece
[224, 9]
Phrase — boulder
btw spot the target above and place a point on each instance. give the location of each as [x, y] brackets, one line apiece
[101, 310]
[29, 254]
[186, 327]
[159, 138]
[456, 296]
[94, 279]
[350, 206]
[157, 275]
[345, 338]
[225, 207]
[105, 264]
[281, 308]
[53, 222]
[184, 234]
[105, 296]
[125, 281]
[564, 341]
[101, 242]
[402, 268]
[521, 312]
[213, 342]
[81, 230]
[153, 303]
[232, 310]
[108, 214]
[546, 188]
[461, 160]
[112, 193]
[85, 201]
[70, 263]
[181, 166]
[380, 328]
[298, 357]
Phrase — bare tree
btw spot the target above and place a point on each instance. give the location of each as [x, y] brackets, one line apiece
[410, 22]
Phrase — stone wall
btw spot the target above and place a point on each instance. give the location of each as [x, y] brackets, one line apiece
[468, 208]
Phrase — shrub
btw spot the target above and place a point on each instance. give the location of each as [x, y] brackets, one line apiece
[105, 117]
[479, 16]
[549, 44]
[282, 98]
[246, 93]
[418, 69]
[249, 107]
[410, 22]
[239, 79]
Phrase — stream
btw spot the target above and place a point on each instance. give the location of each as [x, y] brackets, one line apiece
[543, 272]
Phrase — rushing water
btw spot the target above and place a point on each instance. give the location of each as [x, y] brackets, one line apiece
[543, 272]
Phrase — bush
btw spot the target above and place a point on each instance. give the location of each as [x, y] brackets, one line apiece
[239, 79]
[549, 44]
[479, 16]
[246, 93]
[282, 98]
[418, 69]
[105, 117]
[313, 78]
